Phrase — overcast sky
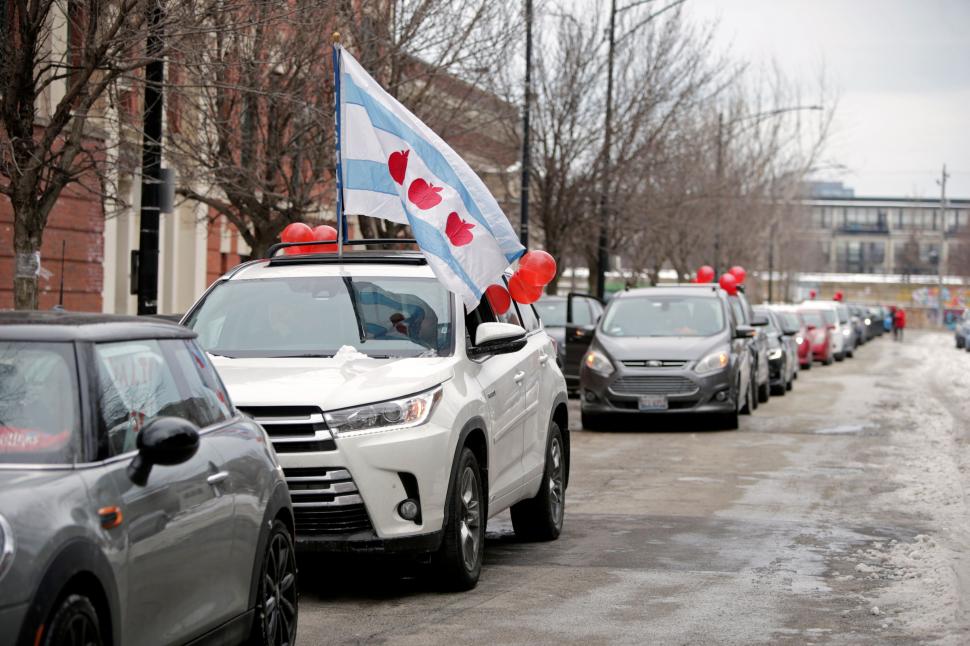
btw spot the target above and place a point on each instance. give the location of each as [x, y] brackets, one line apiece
[901, 69]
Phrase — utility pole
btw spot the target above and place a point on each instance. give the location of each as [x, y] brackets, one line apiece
[602, 257]
[151, 163]
[526, 150]
[718, 201]
[939, 262]
[771, 260]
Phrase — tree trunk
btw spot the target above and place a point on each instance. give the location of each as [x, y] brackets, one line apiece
[27, 238]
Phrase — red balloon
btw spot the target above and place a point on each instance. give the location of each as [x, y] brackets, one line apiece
[537, 268]
[296, 232]
[523, 292]
[323, 232]
[729, 283]
[838, 296]
[812, 294]
[498, 297]
[738, 272]
[705, 274]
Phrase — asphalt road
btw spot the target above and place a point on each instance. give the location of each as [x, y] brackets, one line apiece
[836, 514]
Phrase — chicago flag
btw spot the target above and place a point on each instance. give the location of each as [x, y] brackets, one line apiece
[395, 167]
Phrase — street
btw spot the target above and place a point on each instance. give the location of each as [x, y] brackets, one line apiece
[836, 514]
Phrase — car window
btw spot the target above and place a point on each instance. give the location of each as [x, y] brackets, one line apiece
[39, 418]
[738, 311]
[664, 315]
[597, 309]
[552, 311]
[316, 316]
[529, 319]
[581, 312]
[206, 398]
[141, 380]
[813, 318]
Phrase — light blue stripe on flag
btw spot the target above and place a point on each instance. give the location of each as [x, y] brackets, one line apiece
[366, 175]
[431, 241]
[382, 119]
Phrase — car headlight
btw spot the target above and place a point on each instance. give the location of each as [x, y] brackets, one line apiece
[393, 414]
[774, 354]
[715, 361]
[6, 546]
[846, 331]
[799, 340]
[598, 363]
[868, 321]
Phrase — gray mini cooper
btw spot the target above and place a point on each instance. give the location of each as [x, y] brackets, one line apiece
[136, 505]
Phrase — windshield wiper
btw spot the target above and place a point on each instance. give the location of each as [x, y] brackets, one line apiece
[308, 355]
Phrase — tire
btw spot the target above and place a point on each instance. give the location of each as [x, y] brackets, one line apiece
[750, 401]
[540, 518]
[807, 366]
[592, 421]
[764, 393]
[840, 356]
[75, 622]
[459, 559]
[277, 602]
[829, 360]
[791, 382]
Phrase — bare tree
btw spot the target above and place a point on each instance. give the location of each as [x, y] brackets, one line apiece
[57, 59]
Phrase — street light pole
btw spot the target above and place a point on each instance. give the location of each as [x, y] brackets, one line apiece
[602, 256]
[718, 201]
[526, 150]
[939, 260]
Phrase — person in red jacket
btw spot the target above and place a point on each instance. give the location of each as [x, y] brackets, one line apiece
[899, 323]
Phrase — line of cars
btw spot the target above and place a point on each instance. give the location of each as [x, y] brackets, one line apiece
[695, 349]
[961, 331]
[159, 481]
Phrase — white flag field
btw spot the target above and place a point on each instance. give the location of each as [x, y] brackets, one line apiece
[395, 167]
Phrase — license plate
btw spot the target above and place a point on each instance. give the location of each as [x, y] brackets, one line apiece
[653, 402]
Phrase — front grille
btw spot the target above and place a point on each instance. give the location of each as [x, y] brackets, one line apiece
[653, 385]
[654, 363]
[326, 501]
[673, 404]
[293, 429]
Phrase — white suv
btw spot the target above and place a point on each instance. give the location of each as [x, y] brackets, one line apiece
[401, 424]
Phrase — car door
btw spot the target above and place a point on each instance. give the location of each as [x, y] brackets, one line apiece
[580, 327]
[501, 378]
[538, 385]
[179, 525]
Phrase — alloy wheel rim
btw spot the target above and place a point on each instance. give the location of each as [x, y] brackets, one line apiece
[556, 478]
[469, 527]
[279, 593]
[81, 631]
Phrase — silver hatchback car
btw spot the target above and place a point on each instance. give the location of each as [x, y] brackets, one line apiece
[136, 505]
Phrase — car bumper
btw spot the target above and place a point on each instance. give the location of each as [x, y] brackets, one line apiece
[775, 376]
[367, 476]
[686, 392]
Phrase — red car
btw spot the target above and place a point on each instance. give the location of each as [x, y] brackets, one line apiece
[793, 318]
[819, 335]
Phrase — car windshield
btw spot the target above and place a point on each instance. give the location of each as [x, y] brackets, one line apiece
[39, 418]
[317, 316]
[552, 311]
[790, 320]
[830, 316]
[772, 324]
[813, 317]
[664, 315]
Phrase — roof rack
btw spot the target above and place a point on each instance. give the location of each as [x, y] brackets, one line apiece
[271, 252]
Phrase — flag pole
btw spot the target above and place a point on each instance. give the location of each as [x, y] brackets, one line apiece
[341, 218]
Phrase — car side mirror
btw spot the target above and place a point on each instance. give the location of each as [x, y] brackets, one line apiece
[759, 320]
[497, 338]
[744, 332]
[791, 331]
[166, 441]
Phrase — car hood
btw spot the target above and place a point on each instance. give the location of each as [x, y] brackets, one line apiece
[672, 348]
[329, 383]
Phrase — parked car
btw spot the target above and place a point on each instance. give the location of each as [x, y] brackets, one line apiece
[138, 506]
[873, 323]
[575, 315]
[759, 344]
[841, 335]
[962, 330]
[792, 319]
[820, 333]
[782, 352]
[860, 331]
[402, 424]
[668, 350]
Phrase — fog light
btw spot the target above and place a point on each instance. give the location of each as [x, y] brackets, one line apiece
[721, 396]
[408, 509]
[590, 396]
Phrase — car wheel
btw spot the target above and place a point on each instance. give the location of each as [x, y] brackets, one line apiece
[277, 604]
[459, 559]
[828, 361]
[750, 402]
[540, 518]
[74, 623]
[764, 392]
[791, 382]
[807, 366]
[592, 421]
